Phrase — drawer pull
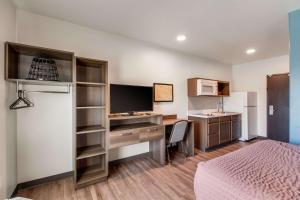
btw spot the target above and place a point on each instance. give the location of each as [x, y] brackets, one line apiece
[152, 130]
[126, 134]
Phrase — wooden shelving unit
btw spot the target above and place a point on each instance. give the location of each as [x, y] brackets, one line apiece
[91, 114]
[18, 60]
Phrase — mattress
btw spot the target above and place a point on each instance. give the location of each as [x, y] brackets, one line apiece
[266, 170]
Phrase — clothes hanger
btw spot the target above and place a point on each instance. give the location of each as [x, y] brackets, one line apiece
[21, 99]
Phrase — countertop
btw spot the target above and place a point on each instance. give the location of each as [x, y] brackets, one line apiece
[213, 115]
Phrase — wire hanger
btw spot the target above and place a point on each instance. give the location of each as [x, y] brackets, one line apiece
[25, 103]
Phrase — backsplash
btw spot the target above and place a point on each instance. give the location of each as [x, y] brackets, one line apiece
[203, 103]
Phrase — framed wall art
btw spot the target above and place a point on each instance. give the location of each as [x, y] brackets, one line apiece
[163, 92]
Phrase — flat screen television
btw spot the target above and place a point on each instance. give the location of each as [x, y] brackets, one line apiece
[130, 98]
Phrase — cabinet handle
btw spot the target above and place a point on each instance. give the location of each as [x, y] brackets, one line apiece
[126, 134]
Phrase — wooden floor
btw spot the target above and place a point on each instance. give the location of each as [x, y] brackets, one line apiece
[140, 179]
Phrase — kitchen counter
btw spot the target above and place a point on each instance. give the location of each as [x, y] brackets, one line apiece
[213, 115]
[215, 128]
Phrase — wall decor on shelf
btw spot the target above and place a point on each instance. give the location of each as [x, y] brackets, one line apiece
[43, 69]
[163, 92]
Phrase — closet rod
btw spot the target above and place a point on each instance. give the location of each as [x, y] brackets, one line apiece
[42, 91]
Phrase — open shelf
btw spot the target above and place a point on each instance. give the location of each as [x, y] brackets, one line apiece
[90, 174]
[91, 71]
[90, 117]
[90, 151]
[90, 129]
[223, 88]
[90, 96]
[18, 61]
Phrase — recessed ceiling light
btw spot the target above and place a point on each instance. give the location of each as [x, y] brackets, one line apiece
[250, 51]
[181, 38]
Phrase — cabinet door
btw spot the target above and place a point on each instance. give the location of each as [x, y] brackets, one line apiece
[236, 129]
[213, 137]
[225, 131]
[197, 134]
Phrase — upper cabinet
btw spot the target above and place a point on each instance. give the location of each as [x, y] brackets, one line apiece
[207, 87]
[38, 65]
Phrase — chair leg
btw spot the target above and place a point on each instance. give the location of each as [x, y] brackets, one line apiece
[168, 155]
[183, 149]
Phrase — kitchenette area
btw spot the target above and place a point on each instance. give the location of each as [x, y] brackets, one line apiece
[220, 115]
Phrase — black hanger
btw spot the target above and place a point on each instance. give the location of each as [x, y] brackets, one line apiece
[21, 99]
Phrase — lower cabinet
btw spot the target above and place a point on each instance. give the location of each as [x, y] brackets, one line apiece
[197, 126]
[213, 138]
[211, 132]
[236, 129]
[225, 132]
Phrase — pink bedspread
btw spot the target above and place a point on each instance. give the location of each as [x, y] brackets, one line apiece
[266, 170]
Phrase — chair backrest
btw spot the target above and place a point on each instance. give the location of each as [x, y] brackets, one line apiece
[178, 131]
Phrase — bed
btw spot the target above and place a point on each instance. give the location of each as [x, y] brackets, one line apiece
[266, 170]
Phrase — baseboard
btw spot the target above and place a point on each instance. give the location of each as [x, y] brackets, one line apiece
[262, 138]
[124, 160]
[40, 181]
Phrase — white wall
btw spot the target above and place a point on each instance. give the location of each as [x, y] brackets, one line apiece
[253, 77]
[45, 147]
[8, 157]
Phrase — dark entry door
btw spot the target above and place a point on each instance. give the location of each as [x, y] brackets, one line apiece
[278, 107]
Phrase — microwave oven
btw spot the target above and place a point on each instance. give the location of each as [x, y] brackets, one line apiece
[207, 87]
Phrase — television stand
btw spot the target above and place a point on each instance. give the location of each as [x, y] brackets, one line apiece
[139, 128]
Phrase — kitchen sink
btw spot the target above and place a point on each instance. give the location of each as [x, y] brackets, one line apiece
[222, 113]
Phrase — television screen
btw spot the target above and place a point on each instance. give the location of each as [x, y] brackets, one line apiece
[129, 98]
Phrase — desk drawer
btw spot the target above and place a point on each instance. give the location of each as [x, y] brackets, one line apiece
[152, 133]
[123, 138]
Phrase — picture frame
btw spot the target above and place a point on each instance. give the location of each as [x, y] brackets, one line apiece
[163, 92]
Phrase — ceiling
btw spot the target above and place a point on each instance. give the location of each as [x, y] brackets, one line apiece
[216, 29]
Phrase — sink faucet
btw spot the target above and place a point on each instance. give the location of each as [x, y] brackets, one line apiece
[221, 105]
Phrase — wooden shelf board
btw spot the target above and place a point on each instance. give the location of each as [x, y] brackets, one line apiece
[90, 84]
[34, 50]
[90, 174]
[90, 107]
[90, 129]
[90, 151]
[36, 82]
[89, 62]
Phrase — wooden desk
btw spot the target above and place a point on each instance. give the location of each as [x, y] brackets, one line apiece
[189, 138]
[128, 130]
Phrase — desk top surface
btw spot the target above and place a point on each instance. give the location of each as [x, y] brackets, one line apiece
[172, 121]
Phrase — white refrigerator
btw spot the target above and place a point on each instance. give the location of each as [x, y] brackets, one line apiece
[245, 103]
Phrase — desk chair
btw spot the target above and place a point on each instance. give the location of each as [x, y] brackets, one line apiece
[177, 136]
